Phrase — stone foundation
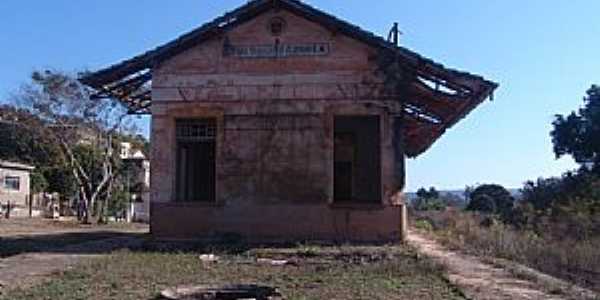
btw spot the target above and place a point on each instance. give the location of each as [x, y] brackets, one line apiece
[277, 223]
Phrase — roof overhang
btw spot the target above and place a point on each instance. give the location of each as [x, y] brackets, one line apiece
[438, 98]
[15, 166]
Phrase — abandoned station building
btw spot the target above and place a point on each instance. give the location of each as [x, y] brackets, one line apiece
[278, 121]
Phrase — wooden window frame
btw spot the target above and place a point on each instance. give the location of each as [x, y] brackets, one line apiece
[192, 135]
[10, 188]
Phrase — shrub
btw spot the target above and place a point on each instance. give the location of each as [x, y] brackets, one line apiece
[38, 182]
[429, 200]
[429, 204]
[482, 203]
[565, 206]
[423, 225]
[492, 199]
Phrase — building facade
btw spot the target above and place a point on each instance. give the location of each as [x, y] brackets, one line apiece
[14, 184]
[280, 122]
[137, 175]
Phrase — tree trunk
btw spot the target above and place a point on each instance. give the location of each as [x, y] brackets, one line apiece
[102, 212]
[85, 210]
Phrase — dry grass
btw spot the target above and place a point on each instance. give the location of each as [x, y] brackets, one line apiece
[317, 273]
[575, 261]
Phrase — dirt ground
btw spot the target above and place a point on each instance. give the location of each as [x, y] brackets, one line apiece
[38, 226]
[33, 249]
[480, 280]
[302, 271]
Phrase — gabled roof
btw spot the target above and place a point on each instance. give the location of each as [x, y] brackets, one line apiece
[430, 112]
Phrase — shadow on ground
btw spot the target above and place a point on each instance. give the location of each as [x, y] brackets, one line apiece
[69, 243]
[105, 242]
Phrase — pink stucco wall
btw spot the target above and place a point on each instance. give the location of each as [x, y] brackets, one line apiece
[276, 182]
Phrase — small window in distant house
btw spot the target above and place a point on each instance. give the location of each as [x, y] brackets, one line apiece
[12, 183]
[196, 146]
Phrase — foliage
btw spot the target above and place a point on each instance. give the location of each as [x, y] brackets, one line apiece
[22, 139]
[423, 225]
[38, 182]
[577, 134]
[117, 206]
[568, 205]
[85, 131]
[428, 200]
[491, 199]
[482, 203]
[60, 180]
[452, 200]
[431, 193]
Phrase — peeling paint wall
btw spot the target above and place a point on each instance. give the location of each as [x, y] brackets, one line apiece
[275, 128]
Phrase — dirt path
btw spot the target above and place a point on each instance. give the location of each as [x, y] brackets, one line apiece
[479, 280]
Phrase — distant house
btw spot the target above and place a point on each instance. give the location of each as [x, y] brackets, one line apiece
[14, 183]
[274, 122]
[138, 183]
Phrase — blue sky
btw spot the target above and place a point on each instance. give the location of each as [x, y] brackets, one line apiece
[544, 54]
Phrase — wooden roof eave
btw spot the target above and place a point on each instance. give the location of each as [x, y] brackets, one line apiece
[470, 89]
[422, 144]
[231, 19]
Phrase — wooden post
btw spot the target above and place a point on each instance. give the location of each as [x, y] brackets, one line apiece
[403, 220]
[30, 206]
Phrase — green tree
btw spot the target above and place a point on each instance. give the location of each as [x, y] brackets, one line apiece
[578, 133]
[482, 203]
[492, 199]
[38, 182]
[569, 204]
[22, 139]
[71, 117]
[432, 193]
[60, 180]
[428, 200]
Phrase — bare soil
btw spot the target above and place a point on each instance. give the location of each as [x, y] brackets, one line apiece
[33, 249]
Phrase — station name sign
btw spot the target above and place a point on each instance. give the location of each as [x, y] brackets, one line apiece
[276, 50]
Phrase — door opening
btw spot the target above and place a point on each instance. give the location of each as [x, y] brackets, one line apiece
[196, 163]
[357, 159]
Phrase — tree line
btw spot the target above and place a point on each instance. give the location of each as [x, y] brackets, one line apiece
[567, 205]
[73, 139]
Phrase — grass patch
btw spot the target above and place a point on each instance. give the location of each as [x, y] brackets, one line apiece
[318, 272]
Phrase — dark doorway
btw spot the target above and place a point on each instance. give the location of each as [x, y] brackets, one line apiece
[196, 148]
[357, 163]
